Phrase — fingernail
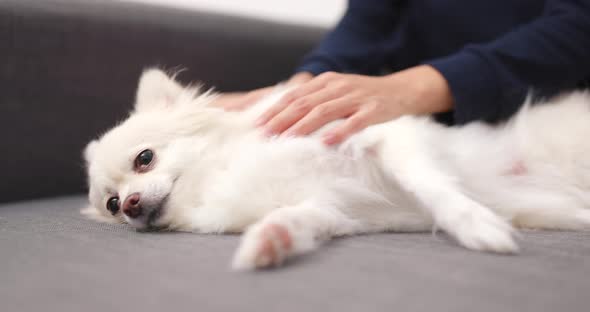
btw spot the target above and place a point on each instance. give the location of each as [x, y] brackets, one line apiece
[268, 132]
[288, 134]
[330, 139]
[259, 122]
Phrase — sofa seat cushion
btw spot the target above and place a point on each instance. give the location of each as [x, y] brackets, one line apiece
[55, 260]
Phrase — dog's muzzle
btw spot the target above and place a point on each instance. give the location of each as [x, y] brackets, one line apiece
[141, 214]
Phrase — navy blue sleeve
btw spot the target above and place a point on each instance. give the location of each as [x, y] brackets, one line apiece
[551, 53]
[356, 44]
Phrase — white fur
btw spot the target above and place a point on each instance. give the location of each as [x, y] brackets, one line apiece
[215, 172]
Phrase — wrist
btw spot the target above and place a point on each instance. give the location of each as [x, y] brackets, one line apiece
[432, 90]
[421, 90]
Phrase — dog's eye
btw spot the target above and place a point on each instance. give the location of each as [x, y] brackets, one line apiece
[143, 160]
[113, 205]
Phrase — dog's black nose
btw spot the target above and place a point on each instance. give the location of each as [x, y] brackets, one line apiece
[131, 206]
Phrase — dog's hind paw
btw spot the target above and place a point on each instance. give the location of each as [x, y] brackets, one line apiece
[482, 230]
[263, 246]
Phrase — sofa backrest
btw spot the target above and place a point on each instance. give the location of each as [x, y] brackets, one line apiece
[69, 69]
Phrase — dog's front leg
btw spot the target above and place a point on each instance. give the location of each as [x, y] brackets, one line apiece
[291, 231]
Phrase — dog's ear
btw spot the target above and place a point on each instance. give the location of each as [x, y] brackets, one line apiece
[89, 150]
[156, 91]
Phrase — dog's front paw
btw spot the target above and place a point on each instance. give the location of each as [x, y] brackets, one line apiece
[480, 229]
[263, 246]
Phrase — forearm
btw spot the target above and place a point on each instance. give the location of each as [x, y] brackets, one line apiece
[490, 81]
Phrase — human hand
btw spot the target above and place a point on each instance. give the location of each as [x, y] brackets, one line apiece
[360, 100]
[236, 101]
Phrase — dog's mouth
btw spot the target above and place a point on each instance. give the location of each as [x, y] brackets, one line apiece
[152, 218]
[156, 213]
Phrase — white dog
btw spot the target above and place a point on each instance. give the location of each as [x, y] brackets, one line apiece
[178, 164]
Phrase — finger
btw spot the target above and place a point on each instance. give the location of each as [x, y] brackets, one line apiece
[237, 104]
[288, 98]
[352, 125]
[323, 114]
[246, 100]
[225, 100]
[299, 78]
[286, 118]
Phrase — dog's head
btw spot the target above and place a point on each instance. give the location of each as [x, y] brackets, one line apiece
[133, 168]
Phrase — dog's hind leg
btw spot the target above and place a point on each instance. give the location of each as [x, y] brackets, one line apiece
[404, 150]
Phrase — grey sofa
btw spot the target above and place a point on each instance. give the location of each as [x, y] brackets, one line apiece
[68, 71]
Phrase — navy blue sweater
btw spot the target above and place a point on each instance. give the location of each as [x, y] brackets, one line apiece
[492, 52]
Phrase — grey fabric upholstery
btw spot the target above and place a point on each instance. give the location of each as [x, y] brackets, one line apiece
[52, 259]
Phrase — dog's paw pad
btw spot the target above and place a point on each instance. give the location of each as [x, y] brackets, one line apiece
[274, 246]
[263, 247]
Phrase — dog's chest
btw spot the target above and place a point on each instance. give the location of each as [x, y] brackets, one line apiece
[269, 175]
[288, 162]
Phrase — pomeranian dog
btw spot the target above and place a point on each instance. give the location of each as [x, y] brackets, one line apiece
[179, 164]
